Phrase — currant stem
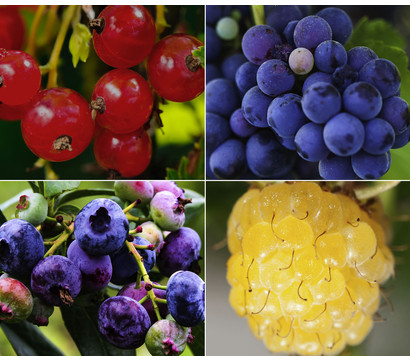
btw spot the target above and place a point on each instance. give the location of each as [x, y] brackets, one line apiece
[55, 54]
[61, 240]
[48, 28]
[145, 276]
[31, 43]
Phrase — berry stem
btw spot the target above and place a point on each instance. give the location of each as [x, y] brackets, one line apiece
[145, 298]
[159, 300]
[258, 12]
[161, 287]
[130, 207]
[138, 219]
[31, 43]
[55, 54]
[144, 247]
[51, 219]
[48, 171]
[61, 240]
[145, 276]
[48, 28]
[160, 21]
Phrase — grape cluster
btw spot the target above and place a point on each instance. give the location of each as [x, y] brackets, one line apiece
[58, 124]
[294, 103]
[108, 245]
[306, 266]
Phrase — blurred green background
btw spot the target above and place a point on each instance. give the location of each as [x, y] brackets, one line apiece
[183, 122]
[228, 334]
[56, 331]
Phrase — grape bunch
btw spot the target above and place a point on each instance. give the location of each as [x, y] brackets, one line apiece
[52, 258]
[307, 268]
[58, 123]
[295, 103]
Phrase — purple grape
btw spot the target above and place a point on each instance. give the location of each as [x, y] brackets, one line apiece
[231, 64]
[339, 21]
[228, 161]
[217, 130]
[395, 110]
[310, 144]
[311, 31]
[240, 126]
[370, 167]
[222, 97]
[315, 77]
[279, 16]
[245, 76]
[329, 55]
[274, 77]
[358, 56]
[379, 137]
[255, 106]
[336, 168]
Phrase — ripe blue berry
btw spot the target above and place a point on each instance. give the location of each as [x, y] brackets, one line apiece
[41, 312]
[180, 251]
[123, 322]
[186, 298]
[21, 247]
[101, 227]
[96, 270]
[56, 280]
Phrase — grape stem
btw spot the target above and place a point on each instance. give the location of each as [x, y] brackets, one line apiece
[61, 240]
[145, 298]
[258, 12]
[145, 276]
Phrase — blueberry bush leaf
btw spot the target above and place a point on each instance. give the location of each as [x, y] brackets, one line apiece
[27, 340]
[53, 188]
[81, 323]
[193, 209]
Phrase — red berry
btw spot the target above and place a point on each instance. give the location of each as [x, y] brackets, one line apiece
[20, 77]
[173, 72]
[125, 101]
[12, 112]
[57, 125]
[125, 35]
[128, 154]
[12, 29]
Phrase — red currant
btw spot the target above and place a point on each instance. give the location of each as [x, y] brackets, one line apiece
[12, 112]
[128, 154]
[12, 29]
[57, 125]
[123, 35]
[20, 77]
[173, 72]
[123, 99]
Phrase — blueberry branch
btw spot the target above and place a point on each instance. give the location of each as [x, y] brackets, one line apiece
[61, 240]
[131, 206]
[145, 276]
[145, 298]
[161, 287]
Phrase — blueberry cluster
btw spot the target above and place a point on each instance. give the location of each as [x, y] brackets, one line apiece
[109, 245]
[295, 104]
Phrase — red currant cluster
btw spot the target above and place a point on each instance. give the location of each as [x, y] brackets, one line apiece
[58, 123]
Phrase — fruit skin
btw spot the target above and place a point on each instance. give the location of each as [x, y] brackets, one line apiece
[166, 211]
[123, 322]
[152, 233]
[96, 270]
[57, 125]
[127, 37]
[168, 71]
[125, 267]
[56, 280]
[16, 302]
[179, 251]
[101, 227]
[21, 248]
[167, 185]
[41, 312]
[12, 112]
[20, 77]
[137, 294]
[279, 281]
[134, 190]
[127, 101]
[32, 208]
[166, 337]
[128, 154]
[186, 298]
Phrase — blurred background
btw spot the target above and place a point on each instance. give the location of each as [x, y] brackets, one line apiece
[229, 334]
[183, 130]
[56, 331]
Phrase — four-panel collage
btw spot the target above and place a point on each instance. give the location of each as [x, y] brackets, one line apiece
[204, 180]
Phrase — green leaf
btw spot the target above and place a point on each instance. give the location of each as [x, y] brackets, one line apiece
[81, 323]
[79, 193]
[172, 174]
[79, 44]
[196, 207]
[68, 209]
[197, 347]
[34, 186]
[27, 340]
[200, 53]
[3, 219]
[53, 188]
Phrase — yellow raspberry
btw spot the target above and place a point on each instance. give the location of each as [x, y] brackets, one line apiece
[306, 266]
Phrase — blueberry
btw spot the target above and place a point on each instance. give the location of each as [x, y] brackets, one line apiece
[123, 322]
[101, 227]
[56, 280]
[96, 270]
[137, 294]
[180, 251]
[186, 298]
[166, 185]
[32, 208]
[166, 337]
[134, 190]
[16, 302]
[21, 248]
[152, 233]
[124, 265]
[167, 210]
[41, 312]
